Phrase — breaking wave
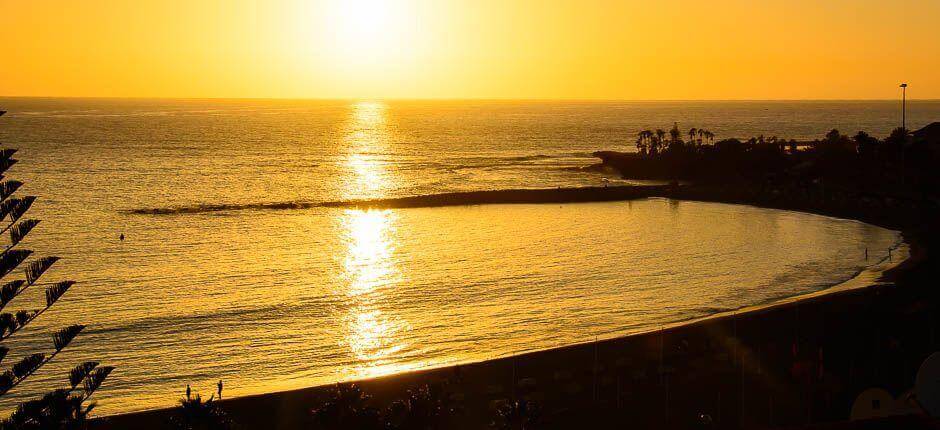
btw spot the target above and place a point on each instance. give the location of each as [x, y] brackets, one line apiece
[205, 208]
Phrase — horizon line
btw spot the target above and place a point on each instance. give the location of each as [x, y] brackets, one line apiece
[392, 99]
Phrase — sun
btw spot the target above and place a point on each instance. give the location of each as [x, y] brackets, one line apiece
[363, 22]
[371, 47]
[369, 31]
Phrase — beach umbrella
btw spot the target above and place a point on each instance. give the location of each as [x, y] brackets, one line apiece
[927, 385]
[872, 403]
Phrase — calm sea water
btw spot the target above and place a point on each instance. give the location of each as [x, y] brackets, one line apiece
[279, 299]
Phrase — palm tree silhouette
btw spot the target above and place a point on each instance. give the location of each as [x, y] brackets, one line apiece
[658, 141]
[347, 407]
[642, 141]
[196, 413]
[675, 136]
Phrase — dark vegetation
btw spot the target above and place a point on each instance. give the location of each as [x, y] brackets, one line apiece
[902, 164]
[433, 406]
[425, 407]
[67, 407]
[194, 413]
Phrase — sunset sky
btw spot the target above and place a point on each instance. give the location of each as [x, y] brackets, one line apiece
[533, 49]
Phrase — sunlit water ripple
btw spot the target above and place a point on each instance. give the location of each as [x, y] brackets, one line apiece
[279, 299]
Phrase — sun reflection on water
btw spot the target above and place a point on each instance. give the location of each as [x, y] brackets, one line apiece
[373, 336]
[368, 264]
[366, 139]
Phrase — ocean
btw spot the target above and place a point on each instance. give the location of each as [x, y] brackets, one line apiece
[217, 287]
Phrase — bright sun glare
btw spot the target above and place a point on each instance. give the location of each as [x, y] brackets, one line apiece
[368, 30]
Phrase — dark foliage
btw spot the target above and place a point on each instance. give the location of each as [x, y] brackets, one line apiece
[517, 415]
[428, 407]
[863, 163]
[348, 407]
[196, 414]
[62, 408]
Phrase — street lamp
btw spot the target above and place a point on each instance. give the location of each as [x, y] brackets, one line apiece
[904, 107]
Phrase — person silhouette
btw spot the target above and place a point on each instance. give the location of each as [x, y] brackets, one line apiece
[188, 391]
[220, 389]
[122, 237]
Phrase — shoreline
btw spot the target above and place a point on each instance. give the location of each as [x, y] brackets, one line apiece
[869, 277]
[387, 387]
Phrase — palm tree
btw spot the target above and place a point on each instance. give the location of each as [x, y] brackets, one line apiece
[661, 135]
[642, 141]
[701, 135]
[63, 407]
[428, 407]
[348, 407]
[692, 132]
[657, 143]
[675, 136]
[196, 414]
[710, 136]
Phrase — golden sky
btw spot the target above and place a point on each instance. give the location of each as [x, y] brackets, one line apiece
[531, 49]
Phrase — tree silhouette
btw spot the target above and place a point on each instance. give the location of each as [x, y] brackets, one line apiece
[642, 141]
[428, 407]
[196, 414]
[898, 137]
[675, 136]
[658, 140]
[64, 407]
[348, 407]
[867, 145]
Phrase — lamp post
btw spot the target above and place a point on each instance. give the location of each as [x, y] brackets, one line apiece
[903, 126]
[904, 107]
